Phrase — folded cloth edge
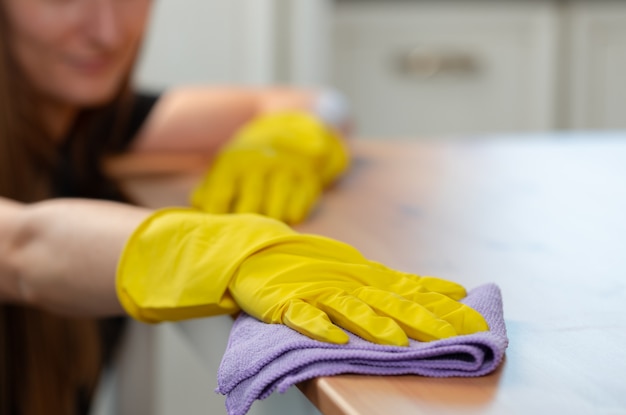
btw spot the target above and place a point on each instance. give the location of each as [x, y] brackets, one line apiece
[261, 358]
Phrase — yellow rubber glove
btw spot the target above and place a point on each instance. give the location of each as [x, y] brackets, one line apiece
[183, 263]
[276, 165]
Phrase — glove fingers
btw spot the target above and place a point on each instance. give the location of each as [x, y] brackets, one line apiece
[312, 322]
[356, 316]
[338, 158]
[303, 199]
[395, 286]
[216, 193]
[433, 284]
[417, 321]
[251, 191]
[408, 284]
[281, 183]
[463, 318]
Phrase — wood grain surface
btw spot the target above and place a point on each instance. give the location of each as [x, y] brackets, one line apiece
[544, 217]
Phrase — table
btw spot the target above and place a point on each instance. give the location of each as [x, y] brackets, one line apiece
[541, 215]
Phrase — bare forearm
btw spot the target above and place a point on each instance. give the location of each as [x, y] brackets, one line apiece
[64, 253]
[203, 118]
[189, 125]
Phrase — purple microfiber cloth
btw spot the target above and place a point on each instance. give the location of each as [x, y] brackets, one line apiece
[261, 358]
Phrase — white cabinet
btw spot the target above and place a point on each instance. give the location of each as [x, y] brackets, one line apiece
[446, 67]
[596, 86]
[181, 44]
[210, 41]
[425, 67]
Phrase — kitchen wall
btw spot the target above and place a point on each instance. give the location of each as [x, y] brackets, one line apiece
[450, 68]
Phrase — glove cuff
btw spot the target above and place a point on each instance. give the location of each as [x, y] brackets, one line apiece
[301, 134]
[179, 262]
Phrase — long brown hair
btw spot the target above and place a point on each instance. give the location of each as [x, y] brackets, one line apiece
[48, 364]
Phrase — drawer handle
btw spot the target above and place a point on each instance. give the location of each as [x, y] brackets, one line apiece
[423, 63]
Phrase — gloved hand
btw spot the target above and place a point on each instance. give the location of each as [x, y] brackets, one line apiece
[276, 165]
[182, 263]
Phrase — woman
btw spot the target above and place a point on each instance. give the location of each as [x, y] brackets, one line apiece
[66, 105]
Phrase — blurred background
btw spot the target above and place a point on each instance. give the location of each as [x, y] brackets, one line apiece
[411, 68]
[418, 69]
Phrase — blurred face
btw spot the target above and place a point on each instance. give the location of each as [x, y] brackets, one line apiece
[76, 52]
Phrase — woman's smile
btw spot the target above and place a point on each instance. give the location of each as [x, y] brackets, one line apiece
[93, 66]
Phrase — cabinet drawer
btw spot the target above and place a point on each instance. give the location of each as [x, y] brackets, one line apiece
[445, 67]
[595, 96]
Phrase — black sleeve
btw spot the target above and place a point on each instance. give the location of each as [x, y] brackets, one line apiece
[104, 132]
[140, 108]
